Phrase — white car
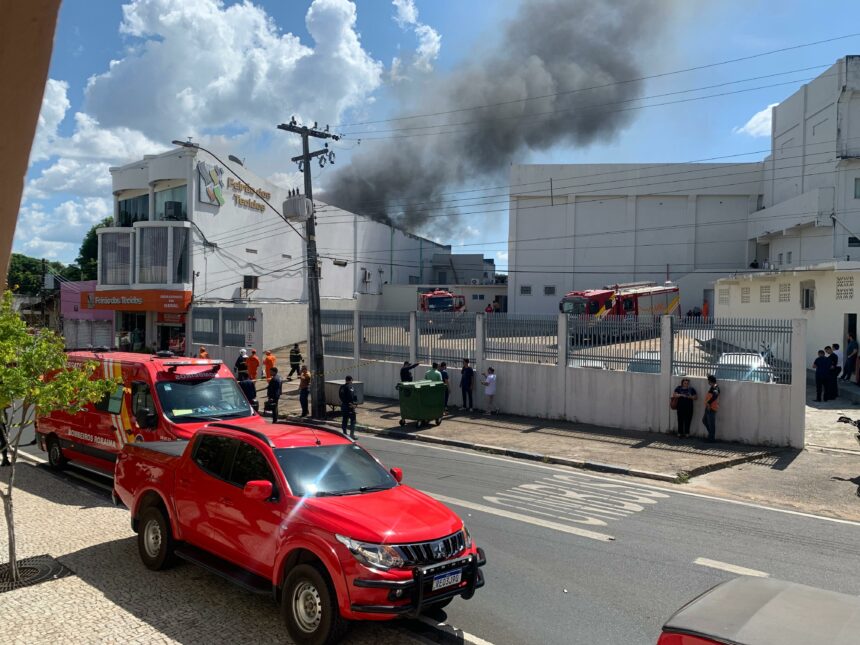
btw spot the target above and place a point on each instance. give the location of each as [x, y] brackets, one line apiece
[744, 366]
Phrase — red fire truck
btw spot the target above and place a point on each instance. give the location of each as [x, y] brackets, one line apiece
[631, 299]
[441, 300]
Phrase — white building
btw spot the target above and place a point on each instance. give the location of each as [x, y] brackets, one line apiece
[583, 226]
[196, 255]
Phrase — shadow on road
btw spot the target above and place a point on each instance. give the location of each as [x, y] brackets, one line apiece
[55, 487]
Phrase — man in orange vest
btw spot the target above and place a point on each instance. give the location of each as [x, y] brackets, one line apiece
[253, 364]
[269, 363]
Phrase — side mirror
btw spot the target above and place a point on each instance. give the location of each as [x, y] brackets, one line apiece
[146, 418]
[260, 490]
[397, 473]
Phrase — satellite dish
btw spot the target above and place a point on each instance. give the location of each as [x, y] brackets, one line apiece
[235, 159]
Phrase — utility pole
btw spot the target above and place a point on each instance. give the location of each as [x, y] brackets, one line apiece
[42, 293]
[315, 345]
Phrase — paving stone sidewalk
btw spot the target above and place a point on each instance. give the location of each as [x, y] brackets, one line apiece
[645, 454]
[113, 598]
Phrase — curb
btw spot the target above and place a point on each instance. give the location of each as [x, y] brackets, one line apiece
[526, 455]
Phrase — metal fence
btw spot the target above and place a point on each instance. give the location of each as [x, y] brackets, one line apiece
[446, 336]
[338, 332]
[616, 343]
[733, 349]
[528, 338]
[384, 335]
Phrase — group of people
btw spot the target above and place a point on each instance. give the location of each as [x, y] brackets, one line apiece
[439, 372]
[682, 401]
[830, 364]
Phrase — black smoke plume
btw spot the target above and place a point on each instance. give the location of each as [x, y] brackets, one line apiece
[548, 49]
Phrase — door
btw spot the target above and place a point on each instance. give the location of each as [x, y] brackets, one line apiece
[251, 524]
[200, 486]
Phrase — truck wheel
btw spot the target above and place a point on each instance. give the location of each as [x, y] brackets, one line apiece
[154, 541]
[402, 422]
[56, 460]
[309, 607]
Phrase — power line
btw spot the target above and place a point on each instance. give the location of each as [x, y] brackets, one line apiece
[596, 87]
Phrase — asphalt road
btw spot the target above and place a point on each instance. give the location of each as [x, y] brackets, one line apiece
[580, 558]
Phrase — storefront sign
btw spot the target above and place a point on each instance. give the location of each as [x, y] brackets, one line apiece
[145, 300]
[178, 319]
[240, 188]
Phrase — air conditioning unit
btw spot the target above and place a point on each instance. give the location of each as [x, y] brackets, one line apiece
[173, 210]
[474, 281]
[249, 281]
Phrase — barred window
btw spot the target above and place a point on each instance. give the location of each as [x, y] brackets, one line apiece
[745, 295]
[724, 297]
[764, 293]
[845, 287]
[549, 290]
[785, 292]
[525, 290]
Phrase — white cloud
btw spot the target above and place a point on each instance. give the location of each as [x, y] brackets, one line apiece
[429, 40]
[759, 124]
[502, 255]
[71, 176]
[288, 180]
[55, 104]
[203, 65]
[57, 232]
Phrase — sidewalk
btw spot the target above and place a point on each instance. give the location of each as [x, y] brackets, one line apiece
[642, 454]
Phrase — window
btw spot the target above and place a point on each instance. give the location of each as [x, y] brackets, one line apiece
[745, 295]
[807, 294]
[764, 293]
[112, 401]
[441, 277]
[785, 292]
[202, 399]
[249, 465]
[130, 330]
[413, 279]
[723, 297]
[629, 305]
[181, 263]
[525, 290]
[332, 469]
[171, 204]
[480, 296]
[549, 290]
[779, 258]
[135, 209]
[845, 287]
[115, 258]
[214, 454]
[788, 257]
[204, 326]
[152, 268]
[857, 188]
[759, 203]
[854, 241]
[236, 323]
[141, 398]
[477, 296]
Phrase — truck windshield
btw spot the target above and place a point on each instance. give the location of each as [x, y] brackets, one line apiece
[576, 306]
[345, 469]
[213, 398]
[440, 303]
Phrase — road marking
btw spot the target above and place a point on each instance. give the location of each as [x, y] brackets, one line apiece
[731, 568]
[33, 458]
[465, 636]
[667, 488]
[555, 526]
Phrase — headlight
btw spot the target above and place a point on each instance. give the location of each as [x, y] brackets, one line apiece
[380, 556]
[467, 537]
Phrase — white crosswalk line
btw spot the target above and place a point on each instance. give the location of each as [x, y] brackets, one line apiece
[731, 568]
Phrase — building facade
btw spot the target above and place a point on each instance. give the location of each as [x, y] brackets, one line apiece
[196, 256]
[576, 227]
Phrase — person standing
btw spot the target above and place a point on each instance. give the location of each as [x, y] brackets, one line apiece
[831, 387]
[712, 404]
[467, 385]
[443, 370]
[253, 364]
[406, 371]
[248, 389]
[433, 373]
[840, 356]
[850, 358]
[273, 393]
[269, 363]
[348, 401]
[489, 383]
[488, 309]
[295, 361]
[241, 364]
[684, 396]
[304, 389]
[202, 353]
[821, 365]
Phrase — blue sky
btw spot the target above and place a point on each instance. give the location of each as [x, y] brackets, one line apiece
[351, 74]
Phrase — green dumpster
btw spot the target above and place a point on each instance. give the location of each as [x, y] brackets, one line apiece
[421, 401]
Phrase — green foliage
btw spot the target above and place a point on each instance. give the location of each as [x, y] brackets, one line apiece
[88, 255]
[25, 273]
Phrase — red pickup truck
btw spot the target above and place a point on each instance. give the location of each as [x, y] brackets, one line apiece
[303, 514]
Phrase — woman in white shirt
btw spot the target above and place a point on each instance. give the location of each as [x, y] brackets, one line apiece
[489, 383]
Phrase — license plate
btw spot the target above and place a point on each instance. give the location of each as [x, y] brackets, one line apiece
[447, 579]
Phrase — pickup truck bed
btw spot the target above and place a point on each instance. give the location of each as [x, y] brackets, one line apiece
[172, 448]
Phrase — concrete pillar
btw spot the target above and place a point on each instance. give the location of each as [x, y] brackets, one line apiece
[797, 429]
[480, 328]
[356, 343]
[665, 372]
[413, 336]
[561, 366]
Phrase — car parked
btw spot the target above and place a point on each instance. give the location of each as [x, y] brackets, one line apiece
[649, 363]
[764, 611]
[301, 514]
[744, 366]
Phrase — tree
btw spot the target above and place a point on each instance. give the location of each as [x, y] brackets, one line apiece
[25, 273]
[88, 255]
[35, 379]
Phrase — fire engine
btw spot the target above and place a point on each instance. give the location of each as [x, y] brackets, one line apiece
[631, 299]
[441, 300]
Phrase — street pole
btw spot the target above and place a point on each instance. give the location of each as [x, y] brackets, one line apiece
[315, 346]
[42, 293]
